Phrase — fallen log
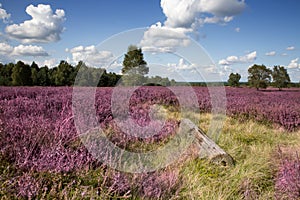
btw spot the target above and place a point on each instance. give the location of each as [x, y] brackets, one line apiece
[206, 147]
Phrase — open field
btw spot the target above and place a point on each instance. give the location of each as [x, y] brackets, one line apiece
[43, 157]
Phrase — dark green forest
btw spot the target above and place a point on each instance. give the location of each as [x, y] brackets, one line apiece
[21, 74]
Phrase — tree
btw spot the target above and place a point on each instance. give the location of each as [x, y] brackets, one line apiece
[34, 73]
[259, 76]
[84, 77]
[43, 76]
[52, 75]
[5, 74]
[281, 78]
[63, 75]
[21, 74]
[234, 80]
[134, 66]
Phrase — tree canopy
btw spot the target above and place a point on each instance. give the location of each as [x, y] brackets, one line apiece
[281, 78]
[134, 62]
[134, 67]
[21, 74]
[234, 80]
[259, 76]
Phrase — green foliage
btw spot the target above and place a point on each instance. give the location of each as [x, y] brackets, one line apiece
[43, 76]
[52, 74]
[63, 74]
[134, 67]
[259, 76]
[134, 62]
[21, 74]
[281, 78]
[234, 80]
[86, 76]
[89, 76]
[5, 74]
[34, 73]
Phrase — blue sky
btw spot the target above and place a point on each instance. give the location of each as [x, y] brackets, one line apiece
[235, 34]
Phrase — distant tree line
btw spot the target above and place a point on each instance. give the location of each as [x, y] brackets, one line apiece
[261, 77]
[21, 74]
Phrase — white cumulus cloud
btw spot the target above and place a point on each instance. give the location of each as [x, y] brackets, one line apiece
[45, 25]
[9, 53]
[238, 29]
[160, 38]
[249, 57]
[29, 50]
[181, 65]
[290, 48]
[49, 63]
[186, 13]
[5, 49]
[184, 17]
[21, 50]
[230, 60]
[271, 53]
[294, 64]
[4, 16]
[91, 55]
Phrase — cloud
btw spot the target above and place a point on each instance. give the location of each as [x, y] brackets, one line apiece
[230, 60]
[9, 53]
[271, 53]
[213, 20]
[29, 50]
[290, 48]
[184, 17]
[238, 29]
[181, 65]
[4, 16]
[91, 56]
[160, 38]
[188, 13]
[294, 64]
[52, 62]
[5, 49]
[224, 62]
[45, 26]
[249, 57]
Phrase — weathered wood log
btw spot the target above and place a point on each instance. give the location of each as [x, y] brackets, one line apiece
[206, 147]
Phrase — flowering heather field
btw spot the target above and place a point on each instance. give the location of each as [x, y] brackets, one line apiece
[279, 107]
[37, 131]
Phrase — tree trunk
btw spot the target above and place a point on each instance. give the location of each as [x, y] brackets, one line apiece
[206, 147]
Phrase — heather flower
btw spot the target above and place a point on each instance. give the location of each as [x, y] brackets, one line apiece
[287, 181]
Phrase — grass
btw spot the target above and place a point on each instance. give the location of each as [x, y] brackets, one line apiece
[253, 145]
